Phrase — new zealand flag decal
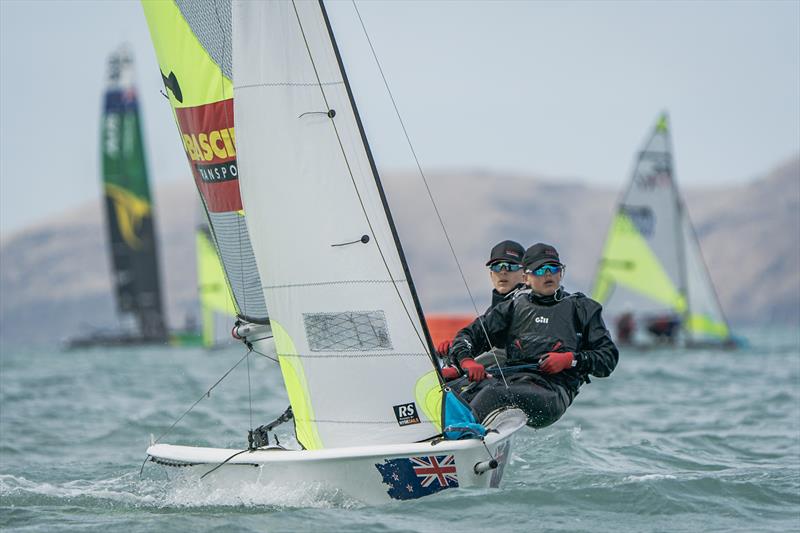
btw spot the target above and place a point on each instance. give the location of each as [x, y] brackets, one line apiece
[414, 477]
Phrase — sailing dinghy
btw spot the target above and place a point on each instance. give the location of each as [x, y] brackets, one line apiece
[652, 270]
[368, 403]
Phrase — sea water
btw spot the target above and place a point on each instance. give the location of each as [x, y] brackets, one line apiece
[673, 441]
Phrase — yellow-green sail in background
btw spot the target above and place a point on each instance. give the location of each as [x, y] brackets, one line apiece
[215, 299]
[651, 266]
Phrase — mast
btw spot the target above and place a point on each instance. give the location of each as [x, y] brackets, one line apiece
[683, 286]
[418, 306]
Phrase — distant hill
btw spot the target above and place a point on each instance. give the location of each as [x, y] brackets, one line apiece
[55, 281]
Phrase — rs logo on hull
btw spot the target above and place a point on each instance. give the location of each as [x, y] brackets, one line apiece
[406, 414]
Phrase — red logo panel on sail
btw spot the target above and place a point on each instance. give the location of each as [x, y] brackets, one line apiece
[210, 143]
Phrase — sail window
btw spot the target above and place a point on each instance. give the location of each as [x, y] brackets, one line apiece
[351, 330]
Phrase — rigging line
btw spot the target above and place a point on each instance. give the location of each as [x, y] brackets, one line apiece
[265, 355]
[425, 182]
[223, 463]
[249, 389]
[205, 395]
[358, 193]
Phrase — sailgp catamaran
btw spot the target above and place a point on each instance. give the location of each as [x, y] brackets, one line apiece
[369, 406]
[129, 215]
[652, 280]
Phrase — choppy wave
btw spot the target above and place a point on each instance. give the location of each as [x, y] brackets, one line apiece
[677, 441]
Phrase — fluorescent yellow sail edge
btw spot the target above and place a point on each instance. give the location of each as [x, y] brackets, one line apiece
[629, 261]
[296, 386]
[428, 393]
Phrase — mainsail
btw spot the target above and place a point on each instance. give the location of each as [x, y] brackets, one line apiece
[129, 208]
[353, 349]
[651, 264]
[193, 46]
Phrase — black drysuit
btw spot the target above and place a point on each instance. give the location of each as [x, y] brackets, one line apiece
[530, 326]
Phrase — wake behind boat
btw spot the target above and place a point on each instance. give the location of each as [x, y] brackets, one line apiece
[302, 225]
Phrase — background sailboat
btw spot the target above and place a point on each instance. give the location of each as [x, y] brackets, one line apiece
[652, 279]
[217, 311]
[129, 215]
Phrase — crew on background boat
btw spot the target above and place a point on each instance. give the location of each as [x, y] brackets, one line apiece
[554, 341]
[664, 328]
[507, 276]
[626, 327]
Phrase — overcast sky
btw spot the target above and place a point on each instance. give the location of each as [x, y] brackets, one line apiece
[552, 89]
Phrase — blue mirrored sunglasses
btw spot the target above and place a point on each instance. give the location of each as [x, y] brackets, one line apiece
[542, 270]
[498, 267]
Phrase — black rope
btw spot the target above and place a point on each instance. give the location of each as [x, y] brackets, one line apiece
[265, 355]
[207, 394]
[223, 463]
[249, 389]
[425, 182]
[355, 187]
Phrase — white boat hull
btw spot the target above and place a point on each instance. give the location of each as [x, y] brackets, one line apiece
[372, 474]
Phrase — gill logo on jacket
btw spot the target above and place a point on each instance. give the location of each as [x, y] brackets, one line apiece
[541, 320]
[130, 211]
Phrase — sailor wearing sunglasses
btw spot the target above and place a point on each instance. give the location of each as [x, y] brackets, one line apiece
[505, 270]
[554, 341]
[507, 276]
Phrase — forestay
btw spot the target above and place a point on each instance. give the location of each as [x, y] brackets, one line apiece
[352, 348]
[651, 262]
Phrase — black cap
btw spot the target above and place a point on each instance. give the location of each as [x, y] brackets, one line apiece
[510, 251]
[540, 254]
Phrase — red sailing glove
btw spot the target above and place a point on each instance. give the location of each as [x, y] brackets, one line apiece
[475, 371]
[449, 372]
[443, 348]
[555, 362]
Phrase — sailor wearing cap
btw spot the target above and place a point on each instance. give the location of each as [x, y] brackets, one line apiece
[507, 276]
[554, 341]
[505, 270]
